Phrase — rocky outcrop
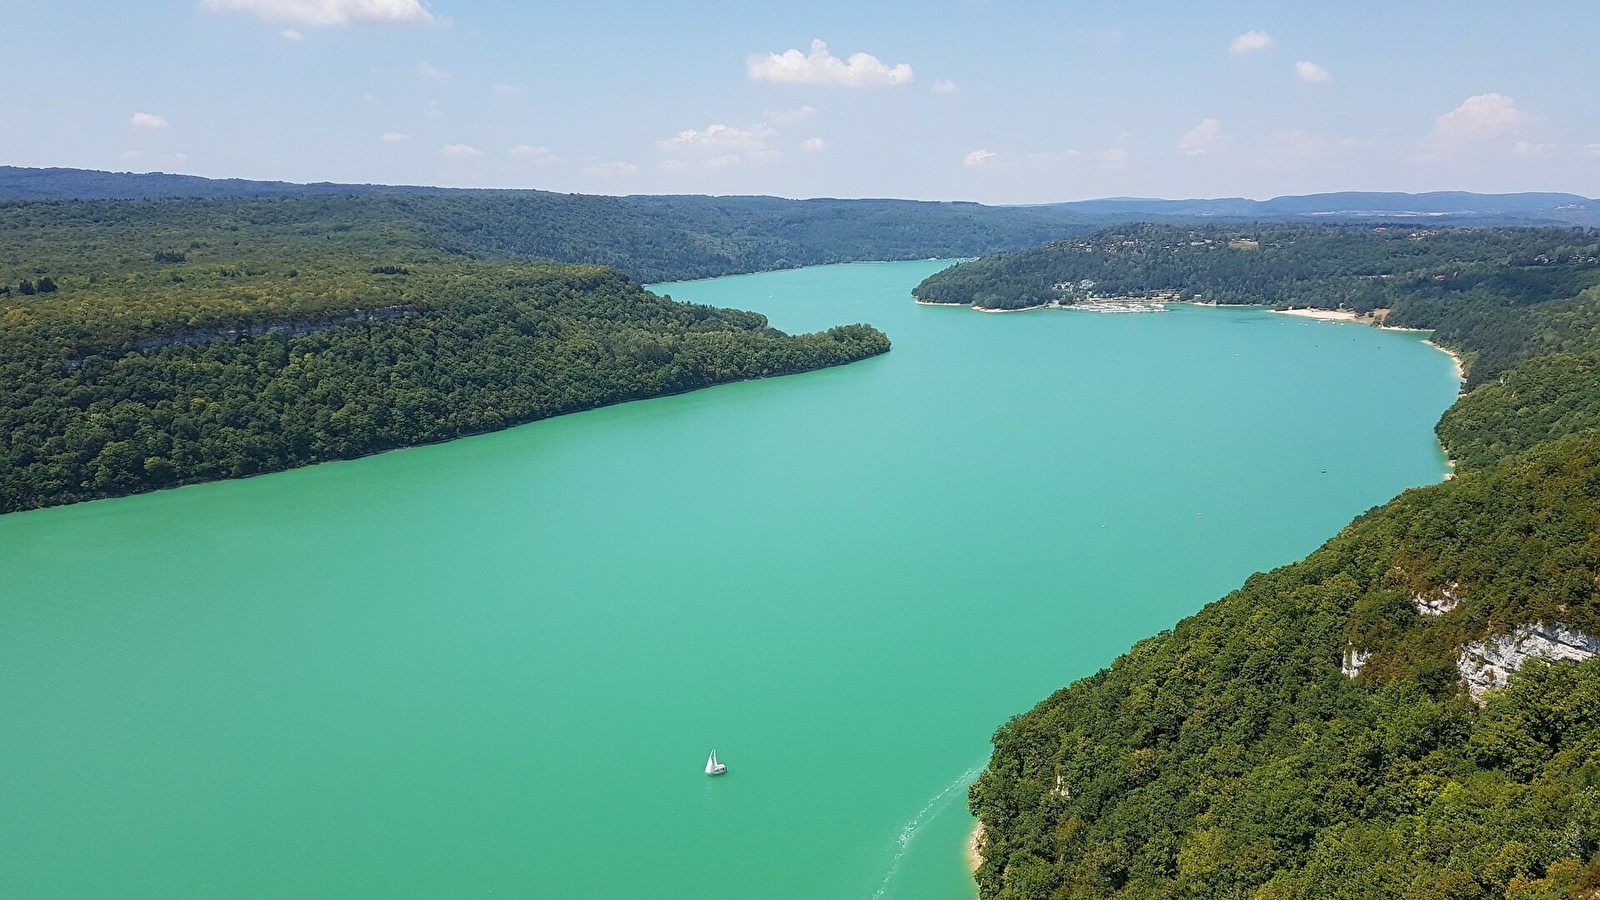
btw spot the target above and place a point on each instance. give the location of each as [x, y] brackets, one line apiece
[1438, 602]
[1489, 663]
[288, 329]
[1353, 661]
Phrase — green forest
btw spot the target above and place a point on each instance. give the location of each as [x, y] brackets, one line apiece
[146, 345]
[1498, 295]
[1233, 757]
[652, 239]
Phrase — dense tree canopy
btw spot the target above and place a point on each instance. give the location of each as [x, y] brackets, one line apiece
[1232, 758]
[1499, 295]
[650, 238]
[154, 344]
[1538, 401]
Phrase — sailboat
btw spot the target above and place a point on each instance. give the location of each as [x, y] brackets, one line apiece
[713, 767]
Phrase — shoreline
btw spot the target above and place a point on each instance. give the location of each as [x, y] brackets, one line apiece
[1461, 366]
[975, 848]
[1376, 321]
[1321, 315]
[985, 309]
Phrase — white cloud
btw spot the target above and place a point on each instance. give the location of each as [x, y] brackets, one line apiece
[813, 145]
[978, 159]
[1250, 42]
[1310, 71]
[718, 139]
[459, 151]
[945, 86]
[1532, 150]
[289, 34]
[790, 116]
[326, 12]
[533, 156]
[394, 137]
[673, 166]
[721, 146]
[1480, 117]
[147, 120]
[507, 90]
[426, 70]
[611, 169]
[821, 67]
[1202, 138]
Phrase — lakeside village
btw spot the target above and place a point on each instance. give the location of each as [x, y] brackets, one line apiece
[1081, 296]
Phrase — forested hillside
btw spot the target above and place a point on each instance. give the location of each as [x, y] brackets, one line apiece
[678, 238]
[1538, 401]
[144, 345]
[1499, 295]
[1311, 734]
[649, 238]
[1231, 758]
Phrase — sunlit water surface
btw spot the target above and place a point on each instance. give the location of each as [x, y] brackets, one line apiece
[495, 667]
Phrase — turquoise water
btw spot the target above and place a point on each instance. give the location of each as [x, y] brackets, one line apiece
[495, 667]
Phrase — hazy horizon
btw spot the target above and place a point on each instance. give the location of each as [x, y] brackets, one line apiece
[1118, 198]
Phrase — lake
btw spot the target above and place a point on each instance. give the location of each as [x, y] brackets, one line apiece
[495, 667]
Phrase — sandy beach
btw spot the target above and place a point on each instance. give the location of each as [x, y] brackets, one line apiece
[986, 309]
[1326, 315]
[1461, 368]
[975, 847]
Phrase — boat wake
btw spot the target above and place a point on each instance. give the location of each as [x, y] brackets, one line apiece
[930, 809]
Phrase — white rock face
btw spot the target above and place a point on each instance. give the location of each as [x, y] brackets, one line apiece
[1448, 598]
[1489, 664]
[1353, 661]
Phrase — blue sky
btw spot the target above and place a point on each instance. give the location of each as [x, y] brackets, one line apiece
[1000, 102]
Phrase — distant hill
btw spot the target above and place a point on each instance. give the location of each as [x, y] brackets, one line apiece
[17, 183]
[1458, 207]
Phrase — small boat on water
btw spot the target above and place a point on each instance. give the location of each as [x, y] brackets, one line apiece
[713, 767]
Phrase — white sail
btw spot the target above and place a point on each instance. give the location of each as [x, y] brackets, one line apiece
[713, 767]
